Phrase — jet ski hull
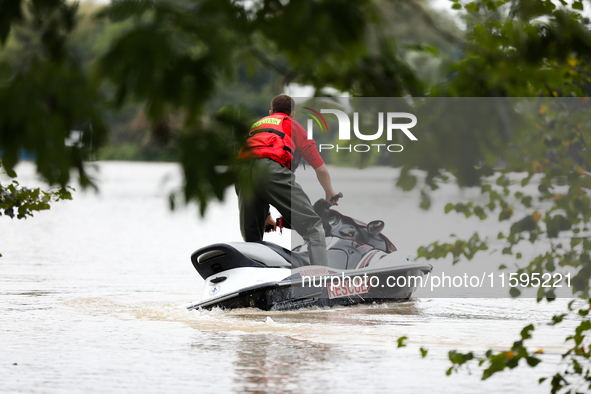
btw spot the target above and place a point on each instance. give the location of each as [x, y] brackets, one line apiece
[326, 290]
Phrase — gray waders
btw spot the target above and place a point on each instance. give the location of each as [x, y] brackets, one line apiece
[263, 182]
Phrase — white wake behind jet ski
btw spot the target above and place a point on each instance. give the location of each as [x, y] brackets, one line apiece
[363, 267]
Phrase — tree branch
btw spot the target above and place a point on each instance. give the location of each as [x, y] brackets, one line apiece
[288, 76]
[431, 23]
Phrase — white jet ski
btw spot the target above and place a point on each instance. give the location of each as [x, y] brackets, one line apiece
[363, 267]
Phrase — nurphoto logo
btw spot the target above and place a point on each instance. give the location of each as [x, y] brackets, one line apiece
[392, 120]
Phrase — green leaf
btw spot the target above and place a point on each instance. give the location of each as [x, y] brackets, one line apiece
[505, 214]
[425, 200]
[557, 224]
[449, 207]
[525, 224]
[526, 331]
[473, 7]
[578, 5]
[532, 361]
[556, 319]
[423, 352]
[478, 211]
[401, 341]
[406, 181]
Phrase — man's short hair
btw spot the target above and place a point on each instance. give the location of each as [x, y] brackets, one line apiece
[283, 104]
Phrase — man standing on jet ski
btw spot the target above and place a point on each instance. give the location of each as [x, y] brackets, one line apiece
[273, 149]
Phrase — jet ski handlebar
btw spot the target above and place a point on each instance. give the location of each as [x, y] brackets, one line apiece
[336, 197]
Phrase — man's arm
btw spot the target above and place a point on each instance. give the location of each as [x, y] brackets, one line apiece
[324, 179]
[307, 149]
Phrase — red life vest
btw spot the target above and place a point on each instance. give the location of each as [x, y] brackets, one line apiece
[267, 139]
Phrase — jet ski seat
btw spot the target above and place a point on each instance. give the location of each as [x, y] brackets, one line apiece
[266, 253]
[285, 253]
[297, 259]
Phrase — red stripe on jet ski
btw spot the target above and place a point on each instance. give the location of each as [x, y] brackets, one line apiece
[365, 262]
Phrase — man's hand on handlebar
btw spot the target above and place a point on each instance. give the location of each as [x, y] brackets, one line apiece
[270, 224]
[333, 200]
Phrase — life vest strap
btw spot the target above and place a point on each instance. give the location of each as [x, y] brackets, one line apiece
[287, 148]
[279, 133]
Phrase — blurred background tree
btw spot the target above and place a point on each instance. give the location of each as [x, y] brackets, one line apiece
[183, 79]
